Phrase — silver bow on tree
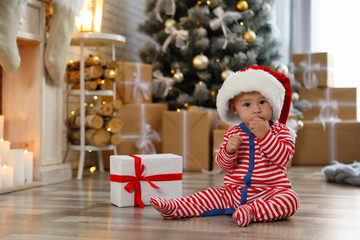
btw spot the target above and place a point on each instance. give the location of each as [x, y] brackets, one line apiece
[219, 22]
[170, 8]
[161, 84]
[145, 143]
[181, 38]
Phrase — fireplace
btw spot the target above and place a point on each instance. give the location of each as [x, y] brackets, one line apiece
[31, 105]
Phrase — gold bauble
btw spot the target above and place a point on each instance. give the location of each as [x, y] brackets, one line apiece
[225, 74]
[282, 68]
[249, 36]
[201, 62]
[242, 5]
[178, 76]
[170, 23]
[295, 97]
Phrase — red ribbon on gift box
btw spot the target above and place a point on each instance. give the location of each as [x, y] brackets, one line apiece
[134, 181]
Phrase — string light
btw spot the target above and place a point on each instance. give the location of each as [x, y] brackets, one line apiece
[95, 97]
[111, 73]
[92, 169]
[178, 110]
[96, 59]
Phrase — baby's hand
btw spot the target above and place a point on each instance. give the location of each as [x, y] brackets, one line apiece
[233, 144]
[259, 127]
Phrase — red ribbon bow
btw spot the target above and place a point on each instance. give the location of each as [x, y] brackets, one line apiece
[134, 181]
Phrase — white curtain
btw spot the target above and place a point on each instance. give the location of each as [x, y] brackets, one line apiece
[329, 26]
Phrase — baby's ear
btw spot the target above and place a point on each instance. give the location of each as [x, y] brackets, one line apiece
[232, 107]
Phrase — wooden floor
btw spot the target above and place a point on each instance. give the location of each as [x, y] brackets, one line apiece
[81, 210]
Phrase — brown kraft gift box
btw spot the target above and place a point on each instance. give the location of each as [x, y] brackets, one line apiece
[324, 74]
[316, 145]
[131, 115]
[345, 98]
[134, 116]
[134, 75]
[188, 133]
[218, 140]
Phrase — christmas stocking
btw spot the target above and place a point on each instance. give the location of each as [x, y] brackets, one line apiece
[10, 15]
[61, 29]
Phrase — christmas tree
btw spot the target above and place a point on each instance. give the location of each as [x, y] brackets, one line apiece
[197, 44]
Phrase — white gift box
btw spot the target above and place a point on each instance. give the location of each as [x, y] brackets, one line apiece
[134, 178]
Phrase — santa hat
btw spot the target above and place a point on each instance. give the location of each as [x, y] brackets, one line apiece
[274, 86]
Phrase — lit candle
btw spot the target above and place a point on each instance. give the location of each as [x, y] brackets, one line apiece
[15, 158]
[28, 161]
[1, 126]
[7, 176]
[4, 149]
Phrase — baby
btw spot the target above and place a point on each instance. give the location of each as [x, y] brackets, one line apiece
[255, 153]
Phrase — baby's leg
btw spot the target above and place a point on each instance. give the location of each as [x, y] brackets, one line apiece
[272, 205]
[212, 201]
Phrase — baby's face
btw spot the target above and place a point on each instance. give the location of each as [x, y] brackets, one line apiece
[249, 105]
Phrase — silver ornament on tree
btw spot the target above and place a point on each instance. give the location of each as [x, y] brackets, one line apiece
[295, 97]
[201, 32]
[282, 68]
[178, 76]
[224, 74]
[266, 7]
[200, 62]
[300, 124]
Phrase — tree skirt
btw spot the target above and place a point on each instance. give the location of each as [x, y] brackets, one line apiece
[343, 173]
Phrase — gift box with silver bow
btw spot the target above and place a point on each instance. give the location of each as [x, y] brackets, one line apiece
[314, 70]
[329, 103]
[135, 82]
[321, 142]
[142, 128]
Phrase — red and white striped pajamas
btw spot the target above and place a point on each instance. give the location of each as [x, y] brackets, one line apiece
[256, 184]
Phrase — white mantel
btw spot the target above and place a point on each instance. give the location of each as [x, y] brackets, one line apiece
[31, 105]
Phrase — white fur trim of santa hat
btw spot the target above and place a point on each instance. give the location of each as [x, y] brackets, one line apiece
[248, 81]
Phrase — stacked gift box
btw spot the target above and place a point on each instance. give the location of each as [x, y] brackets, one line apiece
[149, 128]
[330, 126]
[142, 119]
[189, 134]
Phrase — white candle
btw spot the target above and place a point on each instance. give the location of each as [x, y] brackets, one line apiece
[1, 126]
[0, 172]
[15, 158]
[7, 176]
[4, 149]
[28, 161]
